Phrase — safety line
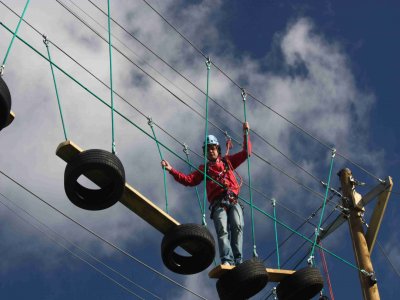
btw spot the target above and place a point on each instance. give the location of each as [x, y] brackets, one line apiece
[249, 175]
[150, 122]
[13, 38]
[46, 42]
[124, 117]
[75, 245]
[111, 78]
[276, 234]
[328, 278]
[101, 238]
[240, 87]
[205, 145]
[317, 231]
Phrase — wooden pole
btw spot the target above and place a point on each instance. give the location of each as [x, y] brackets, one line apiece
[369, 287]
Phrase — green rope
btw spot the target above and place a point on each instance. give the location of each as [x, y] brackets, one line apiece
[111, 79]
[12, 40]
[171, 151]
[249, 174]
[208, 64]
[276, 234]
[311, 259]
[186, 151]
[150, 122]
[46, 42]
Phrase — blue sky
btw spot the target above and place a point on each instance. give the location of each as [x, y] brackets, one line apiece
[329, 66]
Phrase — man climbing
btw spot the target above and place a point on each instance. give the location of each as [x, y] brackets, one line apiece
[222, 194]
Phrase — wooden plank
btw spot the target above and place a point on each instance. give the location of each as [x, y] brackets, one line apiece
[10, 118]
[274, 275]
[377, 215]
[131, 198]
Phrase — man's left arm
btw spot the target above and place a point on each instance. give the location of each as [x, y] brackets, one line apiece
[240, 157]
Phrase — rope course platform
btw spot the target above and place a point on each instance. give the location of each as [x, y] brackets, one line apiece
[274, 275]
[131, 198]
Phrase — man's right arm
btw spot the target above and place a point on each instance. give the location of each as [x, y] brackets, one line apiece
[191, 179]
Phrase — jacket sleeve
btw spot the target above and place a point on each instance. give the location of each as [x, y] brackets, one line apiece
[191, 179]
[238, 158]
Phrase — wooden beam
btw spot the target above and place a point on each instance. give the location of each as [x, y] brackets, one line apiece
[369, 288]
[274, 275]
[131, 198]
[377, 215]
[10, 118]
[375, 192]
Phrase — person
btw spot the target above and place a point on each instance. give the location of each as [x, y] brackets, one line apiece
[222, 194]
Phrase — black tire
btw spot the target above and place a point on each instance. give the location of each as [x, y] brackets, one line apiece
[304, 284]
[244, 281]
[5, 103]
[111, 171]
[195, 237]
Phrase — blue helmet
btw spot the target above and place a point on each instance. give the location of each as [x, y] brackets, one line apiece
[211, 140]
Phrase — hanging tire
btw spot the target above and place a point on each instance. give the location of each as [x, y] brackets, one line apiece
[244, 281]
[107, 166]
[193, 236]
[302, 285]
[5, 103]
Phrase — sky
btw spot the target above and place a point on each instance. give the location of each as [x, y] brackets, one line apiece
[329, 67]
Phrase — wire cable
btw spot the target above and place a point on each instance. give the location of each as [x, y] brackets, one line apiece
[101, 238]
[69, 242]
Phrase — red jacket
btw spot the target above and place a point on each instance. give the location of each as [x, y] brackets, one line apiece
[216, 170]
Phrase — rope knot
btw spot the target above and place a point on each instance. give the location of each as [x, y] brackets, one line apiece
[45, 40]
[150, 121]
[244, 94]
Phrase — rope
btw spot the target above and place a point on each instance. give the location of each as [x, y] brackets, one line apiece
[326, 271]
[111, 78]
[323, 208]
[101, 238]
[208, 65]
[13, 38]
[46, 42]
[249, 174]
[74, 245]
[276, 234]
[150, 122]
[186, 151]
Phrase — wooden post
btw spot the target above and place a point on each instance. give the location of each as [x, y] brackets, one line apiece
[369, 287]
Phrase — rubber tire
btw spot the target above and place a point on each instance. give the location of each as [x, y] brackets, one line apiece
[5, 103]
[244, 281]
[199, 238]
[99, 161]
[304, 284]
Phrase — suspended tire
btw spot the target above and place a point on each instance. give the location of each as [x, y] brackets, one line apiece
[302, 285]
[244, 281]
[195, 237]
[106, 167]
[5, 103]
